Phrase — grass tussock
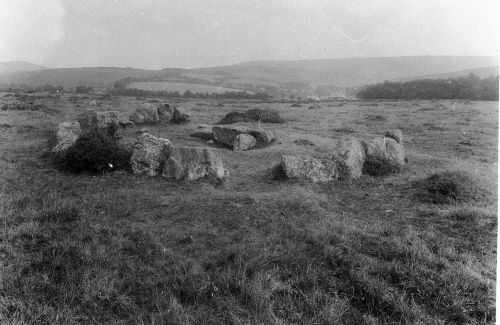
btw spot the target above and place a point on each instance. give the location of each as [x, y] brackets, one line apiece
[449, 187]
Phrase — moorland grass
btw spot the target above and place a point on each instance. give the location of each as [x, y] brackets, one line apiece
[121, 248]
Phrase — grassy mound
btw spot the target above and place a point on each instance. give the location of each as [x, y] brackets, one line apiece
[449, 187]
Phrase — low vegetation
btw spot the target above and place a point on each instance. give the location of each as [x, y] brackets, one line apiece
[96, 152]
[23, 106]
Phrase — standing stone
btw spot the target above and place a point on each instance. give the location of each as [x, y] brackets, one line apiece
[395, 152]
[165, 113]
[375, 148]
[192, 163]
[67, 134]
[149, 154]
[386, 153]
[145, 114]
[351, 157]
[309, 168]
[88, 121]
[244, 142]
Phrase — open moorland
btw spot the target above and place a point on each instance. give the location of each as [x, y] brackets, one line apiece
[254, 249]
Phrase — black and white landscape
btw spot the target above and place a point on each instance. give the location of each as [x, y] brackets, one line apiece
[248, 162]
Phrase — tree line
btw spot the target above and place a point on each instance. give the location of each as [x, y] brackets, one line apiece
[470, 87]
[188, 94]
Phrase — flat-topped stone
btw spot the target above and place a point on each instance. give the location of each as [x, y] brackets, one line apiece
[226, 134]
[308, 168]
[191, 163]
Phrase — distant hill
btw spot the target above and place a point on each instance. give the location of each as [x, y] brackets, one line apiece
[305, 76]
[72, 77]
[15, 66]
[350, 72]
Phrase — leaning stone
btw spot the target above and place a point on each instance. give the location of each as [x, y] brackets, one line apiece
[244, 142]
[351, 157]
[145, 114]
[67, 134]
[191, 163]
[149, 154]
[309, 168]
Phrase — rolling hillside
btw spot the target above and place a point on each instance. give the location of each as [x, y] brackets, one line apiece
[72, 77]
[303, 75]
[351, 72]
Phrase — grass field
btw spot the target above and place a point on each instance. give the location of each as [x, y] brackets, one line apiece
[181, 87]
[121, 248]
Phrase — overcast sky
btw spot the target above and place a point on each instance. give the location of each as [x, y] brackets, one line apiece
[197, 33]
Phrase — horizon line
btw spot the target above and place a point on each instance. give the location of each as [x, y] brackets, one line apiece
[250, 61]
